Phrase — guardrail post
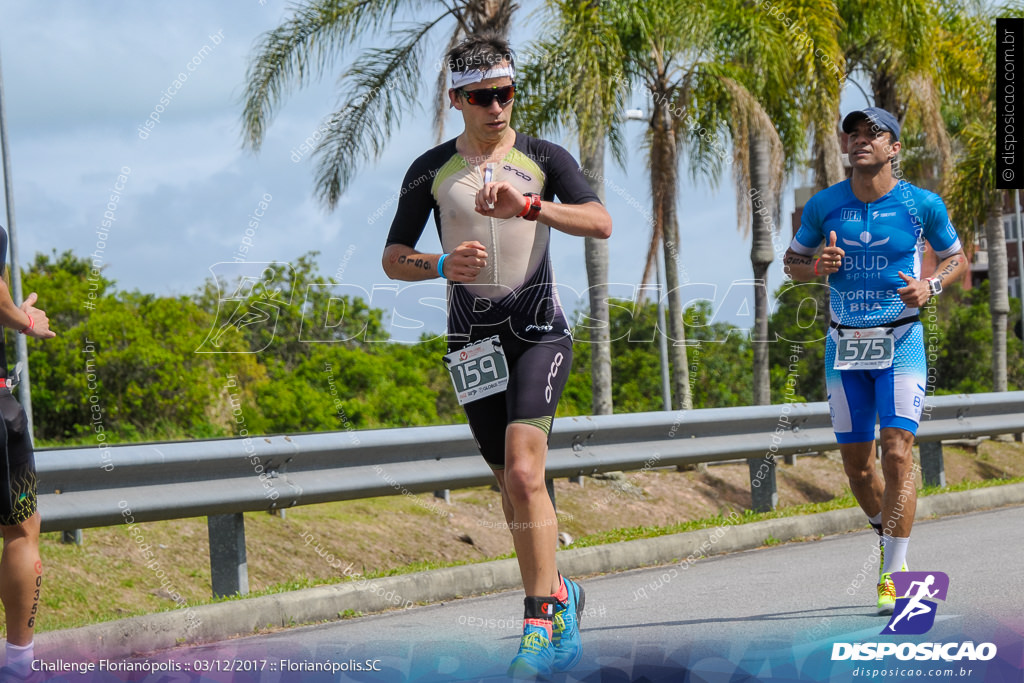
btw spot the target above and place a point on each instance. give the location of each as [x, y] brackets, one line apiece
[444, 494]
[71, 536]
[932, 469]
[229, 571]
[764, 495]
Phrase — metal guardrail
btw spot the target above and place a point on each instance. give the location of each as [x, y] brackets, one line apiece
[91, 487]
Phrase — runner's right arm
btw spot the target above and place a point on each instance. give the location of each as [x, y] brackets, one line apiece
[463, 264]
[799, 263]
[804, 268]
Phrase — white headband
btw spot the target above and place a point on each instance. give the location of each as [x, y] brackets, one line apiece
[461, 79]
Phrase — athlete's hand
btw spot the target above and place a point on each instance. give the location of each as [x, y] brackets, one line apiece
[916, 293]
[507, 200]
[465, 262]
[40, 323]
[831, 257]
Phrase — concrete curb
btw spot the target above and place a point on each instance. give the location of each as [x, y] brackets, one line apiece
[212, 623]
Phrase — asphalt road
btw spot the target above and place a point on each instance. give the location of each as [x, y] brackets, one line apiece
[773, 614]
[770, 614]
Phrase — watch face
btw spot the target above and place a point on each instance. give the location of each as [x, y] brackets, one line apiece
[935, 286]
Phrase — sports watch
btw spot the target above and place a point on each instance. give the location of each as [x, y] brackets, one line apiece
[532, 208]
[934, 286]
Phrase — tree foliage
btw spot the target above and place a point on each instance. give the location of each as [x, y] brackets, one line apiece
[136, 367]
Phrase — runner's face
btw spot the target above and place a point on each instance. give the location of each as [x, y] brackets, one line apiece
[485, 122]
[870, 147]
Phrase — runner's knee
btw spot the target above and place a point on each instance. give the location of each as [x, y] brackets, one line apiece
[27, 529]
[524, 483]
[897, 462]
[858, 471]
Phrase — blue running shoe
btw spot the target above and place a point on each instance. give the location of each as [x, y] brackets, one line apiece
[565, 628]
[535, 656]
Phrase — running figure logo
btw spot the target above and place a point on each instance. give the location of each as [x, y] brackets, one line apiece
[914, 613]
[247, 318]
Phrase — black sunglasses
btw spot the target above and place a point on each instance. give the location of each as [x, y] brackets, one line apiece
[484, 96]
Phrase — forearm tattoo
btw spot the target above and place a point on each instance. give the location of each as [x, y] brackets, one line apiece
[418, 262]
[954, 262]
[792, 259]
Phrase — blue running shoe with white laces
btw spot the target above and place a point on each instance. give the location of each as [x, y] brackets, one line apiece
[565, 628]
[536, 655]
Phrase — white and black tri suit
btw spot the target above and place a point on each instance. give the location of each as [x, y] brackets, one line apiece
[514, 296]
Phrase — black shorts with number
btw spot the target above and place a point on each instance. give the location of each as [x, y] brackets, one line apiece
[17, 464]
[538, 367]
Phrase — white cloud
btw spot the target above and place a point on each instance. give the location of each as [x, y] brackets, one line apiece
[80, 79]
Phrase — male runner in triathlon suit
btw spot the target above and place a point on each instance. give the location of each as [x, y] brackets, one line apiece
[21, 571]
[874, 226]
[490, 190]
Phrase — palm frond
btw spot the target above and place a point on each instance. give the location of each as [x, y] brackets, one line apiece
[441, 105]
[749, 122]
[302, 48]
[378, 85]
[577, 74]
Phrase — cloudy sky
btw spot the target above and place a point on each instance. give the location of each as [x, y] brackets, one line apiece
[80, 80]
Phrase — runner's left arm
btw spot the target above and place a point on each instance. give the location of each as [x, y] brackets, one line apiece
[580, 212]
[582, 220]
[916, 292]
[590, 219]
[942, 237]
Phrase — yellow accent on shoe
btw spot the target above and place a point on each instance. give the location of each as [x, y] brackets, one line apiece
[886, 594]
[535, 657]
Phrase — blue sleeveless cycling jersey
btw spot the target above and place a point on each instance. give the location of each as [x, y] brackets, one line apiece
[880, 239]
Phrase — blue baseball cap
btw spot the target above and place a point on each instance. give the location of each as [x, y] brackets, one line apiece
[879, 117]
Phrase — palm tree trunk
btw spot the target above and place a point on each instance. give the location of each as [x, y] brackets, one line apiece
[885, 89]
[998, 301]
[664, 175]
[763, 203]
[828, 160]
[596, 255]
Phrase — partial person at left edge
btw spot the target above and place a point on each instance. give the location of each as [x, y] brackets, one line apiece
[21, 570]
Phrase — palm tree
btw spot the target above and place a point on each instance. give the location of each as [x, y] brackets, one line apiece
[670, 53]
[973, 183]
[576, 75]
[894, 43]
[779, 85]
[602, 49]
[375, 88]
[668, 49]
[730, 72]
[973, 180]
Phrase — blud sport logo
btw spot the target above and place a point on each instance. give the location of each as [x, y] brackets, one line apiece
[914, 613]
